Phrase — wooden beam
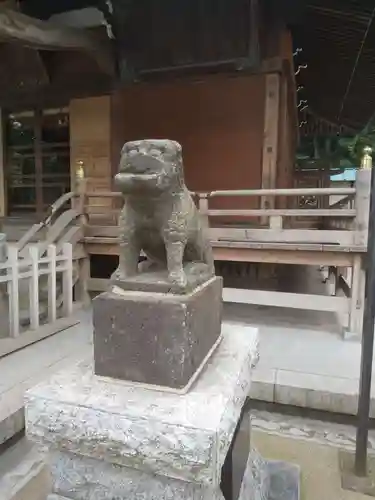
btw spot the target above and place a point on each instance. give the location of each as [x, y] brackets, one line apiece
[26, 69]
[297, 257]
[3, 190]
[38, 161]
[42, 67]
[308, 302]
[265, 298]
[30, 32]
[270, 141]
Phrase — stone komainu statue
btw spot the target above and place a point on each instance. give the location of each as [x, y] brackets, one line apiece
[159, 215]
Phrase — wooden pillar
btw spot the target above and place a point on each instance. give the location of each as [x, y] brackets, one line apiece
[270, 140]
[362, 205]
[361, 223]
[3, 191]
[38, 161]
[357, 299]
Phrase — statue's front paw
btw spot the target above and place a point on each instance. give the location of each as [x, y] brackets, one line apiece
[178, 278]
[117, 275]
[121, 274]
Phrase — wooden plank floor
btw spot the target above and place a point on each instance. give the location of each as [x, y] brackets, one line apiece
[25, 368]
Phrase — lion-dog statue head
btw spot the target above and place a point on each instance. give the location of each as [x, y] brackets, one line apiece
[150, 166]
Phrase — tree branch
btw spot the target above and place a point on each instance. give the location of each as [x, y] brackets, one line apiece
[44, 35]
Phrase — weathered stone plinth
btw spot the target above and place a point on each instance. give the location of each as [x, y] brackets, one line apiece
[113, 440]
[153, 279]
[4, 307]
[156, 338]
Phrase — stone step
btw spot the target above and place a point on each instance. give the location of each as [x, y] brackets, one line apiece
[23, 474]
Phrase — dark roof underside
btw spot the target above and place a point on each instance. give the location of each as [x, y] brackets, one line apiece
[338, 42]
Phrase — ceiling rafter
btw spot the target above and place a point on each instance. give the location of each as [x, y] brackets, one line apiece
[338, 40]
[30, 32]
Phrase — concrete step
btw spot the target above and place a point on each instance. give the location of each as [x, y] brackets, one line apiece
[23, 473]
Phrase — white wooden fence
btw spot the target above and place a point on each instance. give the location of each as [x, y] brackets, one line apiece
[33, 268]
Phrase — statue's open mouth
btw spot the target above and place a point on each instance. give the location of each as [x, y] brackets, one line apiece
[144, 164]
[122, 177]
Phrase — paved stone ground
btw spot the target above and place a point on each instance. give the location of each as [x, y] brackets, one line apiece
[303, 362]
[300, 363]
[311, 444]
[325, 433]
[320, 474]
[23, 473]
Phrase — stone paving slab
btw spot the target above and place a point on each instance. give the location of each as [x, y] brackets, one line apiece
[301, 364]
[309, 369]
[340, 436]
[23, 473]
[307, 390]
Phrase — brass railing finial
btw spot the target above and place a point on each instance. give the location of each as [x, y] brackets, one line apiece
[80, 173]
[366, 162]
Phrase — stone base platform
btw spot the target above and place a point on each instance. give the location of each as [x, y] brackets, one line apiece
[108, 440]
[263, 480]
[153, 279]
[156, 338]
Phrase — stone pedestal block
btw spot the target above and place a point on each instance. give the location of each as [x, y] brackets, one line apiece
[111, 440]
[4, 306]
[156, 338]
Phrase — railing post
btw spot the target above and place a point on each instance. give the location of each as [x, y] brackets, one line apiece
[84, 271]
[276, 222]
[67, 251]
[13, 292]
[361, 223]
[34, 287]
[203, 208]
[52, 307]
[362, 198]
[82, 284]
[81, 189]
[367, 347]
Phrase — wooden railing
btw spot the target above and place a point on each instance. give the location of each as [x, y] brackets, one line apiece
[276, 225]
[29, 295]
[41, 227]
[335, 237]
[337, 225]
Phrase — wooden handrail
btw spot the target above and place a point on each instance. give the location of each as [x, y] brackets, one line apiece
[279, 192]
[246, 192]
[103, 194]
[302, 212]
[347, 213]
[59, 203]
[29, 236]
[104, 212]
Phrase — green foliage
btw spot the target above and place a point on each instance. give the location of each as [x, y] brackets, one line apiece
[336, 153]
[354, 148]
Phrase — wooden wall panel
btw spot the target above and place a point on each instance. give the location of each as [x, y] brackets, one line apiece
[90, 143]
[3, 191]
[218, 120]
